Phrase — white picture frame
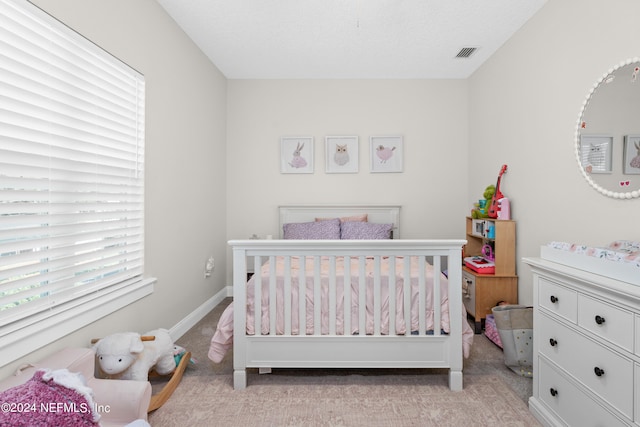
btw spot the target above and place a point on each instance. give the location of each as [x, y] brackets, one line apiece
[296, 154]
[631, 156]
[341, 154]
[386, 154]
[595, 153]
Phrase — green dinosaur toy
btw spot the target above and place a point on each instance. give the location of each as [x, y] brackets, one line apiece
[482, 212]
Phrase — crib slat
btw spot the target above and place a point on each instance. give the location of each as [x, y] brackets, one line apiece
[406, 284]
[317, 297]
[332, 295]
[376, 295]
[362, 297]
[437, 306]
[272, 293]
[257, 283]
[287, 295]
[391, 287]
[346, 285]
[302, 297]
[422, 296]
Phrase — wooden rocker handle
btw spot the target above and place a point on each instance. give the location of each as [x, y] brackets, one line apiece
[143, 337]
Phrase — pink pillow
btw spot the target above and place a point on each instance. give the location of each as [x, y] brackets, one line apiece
[365, 231]
[360, 218]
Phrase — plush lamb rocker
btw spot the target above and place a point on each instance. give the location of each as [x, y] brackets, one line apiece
[126, 356]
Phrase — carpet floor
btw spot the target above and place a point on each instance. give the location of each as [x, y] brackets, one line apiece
[493, 394]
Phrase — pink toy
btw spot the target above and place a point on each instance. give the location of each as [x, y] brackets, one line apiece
[504, 209]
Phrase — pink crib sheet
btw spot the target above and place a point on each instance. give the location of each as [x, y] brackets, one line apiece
[222, 340]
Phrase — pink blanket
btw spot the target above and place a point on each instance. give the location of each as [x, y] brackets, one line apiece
[222, 340]
[50, 398]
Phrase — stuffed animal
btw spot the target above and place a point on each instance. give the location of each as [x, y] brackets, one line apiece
[488, 195]
[178, 352]
[126, 356]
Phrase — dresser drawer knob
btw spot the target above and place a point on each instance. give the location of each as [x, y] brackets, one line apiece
[553, 342]
[554, 299]
[553, 392]
[599, 372]
[599, 320]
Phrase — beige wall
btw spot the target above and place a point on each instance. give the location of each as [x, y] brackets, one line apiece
[431, 115]
[524, 105]
[213, 146]
[185, 169]
[520, 109]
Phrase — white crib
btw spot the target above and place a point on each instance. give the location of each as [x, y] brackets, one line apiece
[295, 346]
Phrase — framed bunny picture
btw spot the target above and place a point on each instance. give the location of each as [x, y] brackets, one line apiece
[296, 154]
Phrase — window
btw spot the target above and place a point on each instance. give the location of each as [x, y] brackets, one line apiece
[71, 180]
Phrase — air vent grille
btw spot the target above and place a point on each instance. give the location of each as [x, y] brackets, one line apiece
[466, 52]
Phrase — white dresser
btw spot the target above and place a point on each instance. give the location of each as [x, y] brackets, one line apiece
[586, 348]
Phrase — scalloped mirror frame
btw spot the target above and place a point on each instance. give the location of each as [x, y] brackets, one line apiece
[595, 185]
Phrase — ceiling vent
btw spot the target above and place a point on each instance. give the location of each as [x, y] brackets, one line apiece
[466, 52]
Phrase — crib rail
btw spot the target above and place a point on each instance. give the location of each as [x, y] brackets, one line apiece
[287, 343]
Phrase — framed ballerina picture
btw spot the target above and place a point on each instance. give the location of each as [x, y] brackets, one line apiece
[296, 154]
[631, 155]
[386, 154]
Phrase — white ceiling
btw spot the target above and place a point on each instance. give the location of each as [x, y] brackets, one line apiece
[359, 39]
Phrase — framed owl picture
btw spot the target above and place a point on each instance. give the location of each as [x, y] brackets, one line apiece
[595, 153]
[386, 154]
[341, 154]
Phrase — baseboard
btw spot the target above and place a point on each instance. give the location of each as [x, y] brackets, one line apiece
[196, 315]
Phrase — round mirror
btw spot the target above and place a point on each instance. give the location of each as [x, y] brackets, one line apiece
[608, 132]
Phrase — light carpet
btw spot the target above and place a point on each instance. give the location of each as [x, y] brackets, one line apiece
[492, 396]
[347, 400]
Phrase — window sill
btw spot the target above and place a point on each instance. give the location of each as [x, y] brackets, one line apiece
[56, 323]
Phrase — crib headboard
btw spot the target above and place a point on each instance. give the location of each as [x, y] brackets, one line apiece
[381, 214]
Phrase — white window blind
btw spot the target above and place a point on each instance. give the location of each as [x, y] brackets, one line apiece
[71, 168]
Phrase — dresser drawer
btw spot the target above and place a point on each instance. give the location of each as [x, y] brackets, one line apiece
[606, 373]
[558, 299]
[569, 402]
[469, 292]
[606, 321]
